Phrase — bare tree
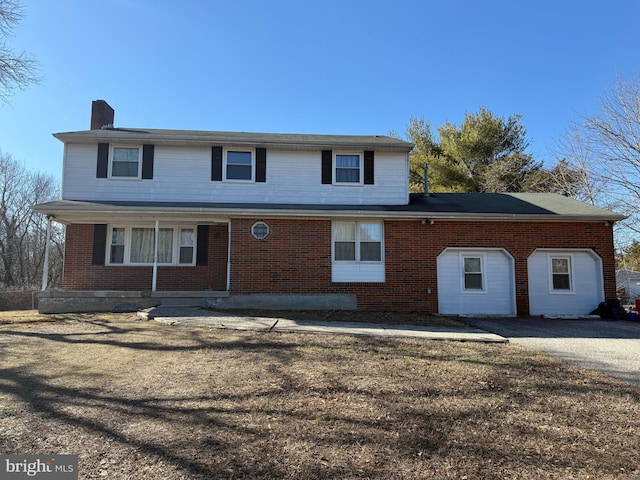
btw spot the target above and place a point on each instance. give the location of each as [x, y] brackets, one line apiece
[606, 146]
[17, 70]
[22, 231]
[574, 175]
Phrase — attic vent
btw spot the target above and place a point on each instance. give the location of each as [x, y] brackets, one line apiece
[260, 230]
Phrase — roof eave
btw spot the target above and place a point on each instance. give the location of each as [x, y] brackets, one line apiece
[96, 136]
[71, 214]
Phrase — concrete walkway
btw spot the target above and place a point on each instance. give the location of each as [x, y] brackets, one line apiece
[193, 316]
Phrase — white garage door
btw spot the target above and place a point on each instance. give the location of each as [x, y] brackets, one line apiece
[476, 282]
[564, 282]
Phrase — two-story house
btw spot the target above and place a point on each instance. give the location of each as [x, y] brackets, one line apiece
[308, 221]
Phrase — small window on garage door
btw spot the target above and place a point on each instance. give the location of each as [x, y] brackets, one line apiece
[472, 273]
[560, 272]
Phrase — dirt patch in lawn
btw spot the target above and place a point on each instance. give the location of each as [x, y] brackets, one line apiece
[138, 399]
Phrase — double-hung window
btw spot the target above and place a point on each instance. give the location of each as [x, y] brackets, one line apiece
[239, 165]
[187, 246]
[348, 168]
[473, 278]
[560, 269]
[134, 245]
[125, 162]
[357, 242]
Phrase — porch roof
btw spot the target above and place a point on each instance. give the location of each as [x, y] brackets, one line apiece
[458, 206]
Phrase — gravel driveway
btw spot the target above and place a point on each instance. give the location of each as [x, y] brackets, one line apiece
[612, 347]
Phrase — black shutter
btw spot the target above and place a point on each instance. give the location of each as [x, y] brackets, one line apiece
[103, 160]
[261, 164]
[99, 244]
[216, 164]
[202, 252]
[147, 162]
[368, 167]
[327, 161]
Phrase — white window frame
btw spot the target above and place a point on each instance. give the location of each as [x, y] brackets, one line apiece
[358, 240]
[257, 225]
[225, 163]
[179, 245]
[175, 245]
[561, 291]
[360, 168]
[483, 273]
[129, 147]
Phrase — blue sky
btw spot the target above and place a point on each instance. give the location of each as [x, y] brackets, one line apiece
[332, 66]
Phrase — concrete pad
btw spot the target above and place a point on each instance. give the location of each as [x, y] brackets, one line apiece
[205, 318]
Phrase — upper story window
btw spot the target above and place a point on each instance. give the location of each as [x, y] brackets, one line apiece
[348, 168]
[357, 242]
[560, 270]
[121, 162]
[239, 165]
[125, 162]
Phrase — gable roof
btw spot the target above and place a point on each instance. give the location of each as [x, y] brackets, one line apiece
[453, 206]
[296, 141]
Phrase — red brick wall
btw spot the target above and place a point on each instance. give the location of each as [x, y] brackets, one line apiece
[296, 259]
[80, 274]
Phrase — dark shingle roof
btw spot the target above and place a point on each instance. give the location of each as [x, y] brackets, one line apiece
[463, 206]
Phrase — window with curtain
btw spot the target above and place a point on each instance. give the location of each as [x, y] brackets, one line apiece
[116, 251]
[187, 245]
[357, 242]
[347, 168]
[561, 273]
[344, 238]
[125, 162]
[136, 245]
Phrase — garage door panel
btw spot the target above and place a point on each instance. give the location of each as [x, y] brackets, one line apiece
[586, 283]
[497, 296]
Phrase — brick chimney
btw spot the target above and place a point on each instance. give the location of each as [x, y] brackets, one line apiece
[102, 115]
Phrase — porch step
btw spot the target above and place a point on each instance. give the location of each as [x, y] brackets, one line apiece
[175, 302]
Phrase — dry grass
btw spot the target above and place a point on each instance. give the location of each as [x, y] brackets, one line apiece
[138, 399]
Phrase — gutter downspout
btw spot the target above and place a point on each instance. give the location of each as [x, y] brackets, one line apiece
[45, 267]
[155, 258]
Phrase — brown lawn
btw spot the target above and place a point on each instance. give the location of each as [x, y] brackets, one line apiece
[137, 399]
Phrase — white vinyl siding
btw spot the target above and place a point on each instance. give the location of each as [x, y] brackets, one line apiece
[581, 269]
[183, 174]
[476, 282]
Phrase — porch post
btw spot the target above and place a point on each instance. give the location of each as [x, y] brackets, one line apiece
[45, 267]
[155, 257]
[229, 256]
